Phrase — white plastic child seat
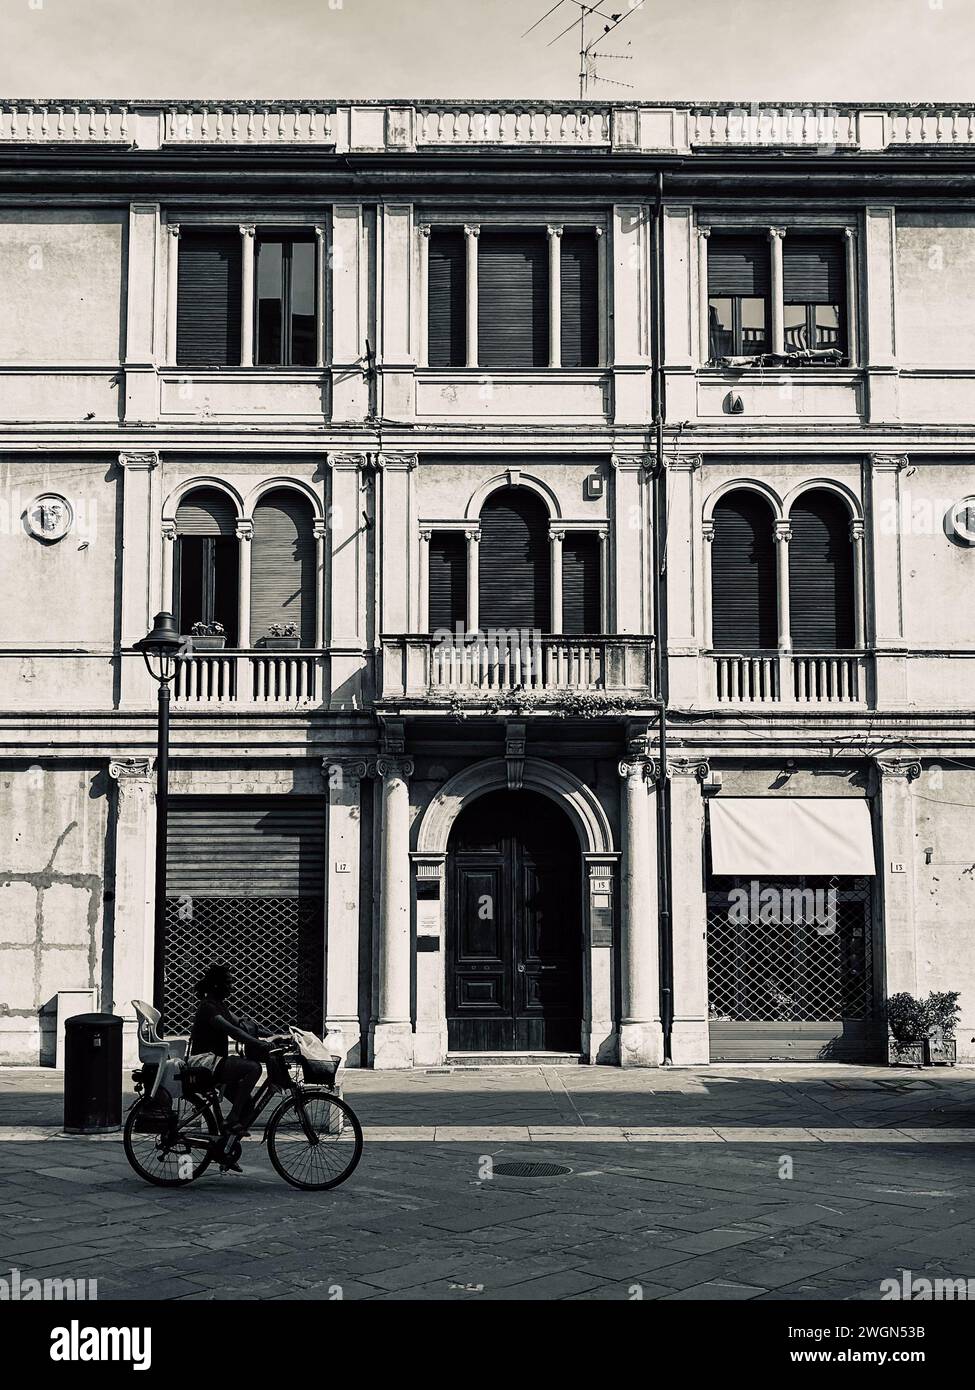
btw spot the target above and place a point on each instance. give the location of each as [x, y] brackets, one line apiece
[153, 1047]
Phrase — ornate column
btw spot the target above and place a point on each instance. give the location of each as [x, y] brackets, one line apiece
[555, 298]
[783, 535]
[852, 298]
[556, 536]
[703, 298]
[245, 535]
[172, 290]
[320, 532]
[392, 1032]
[135, 837]
[856, 540]
[343, 777]
[423, 307]
[167, 591]
[641, 1038]
[471, 233]
[138, 545]
[473, 538]
[689, 1037]
[898, 876]
[775, 235]
[247, 235]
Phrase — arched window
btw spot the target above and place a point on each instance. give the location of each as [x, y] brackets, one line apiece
[821, 574]
[743, 591]
[514, 565]
[207, 562]
[283, 566]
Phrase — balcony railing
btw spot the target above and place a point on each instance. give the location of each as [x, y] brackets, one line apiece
[271, 679]
[424, 667]
[836, 678]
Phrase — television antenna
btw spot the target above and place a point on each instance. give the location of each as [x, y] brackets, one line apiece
[588, 14]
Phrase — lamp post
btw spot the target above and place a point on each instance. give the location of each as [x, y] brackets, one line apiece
[160, 648]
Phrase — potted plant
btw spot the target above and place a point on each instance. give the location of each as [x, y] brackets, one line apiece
[281, 637]
[207, 637]
[922, 1031]
[943, 1014]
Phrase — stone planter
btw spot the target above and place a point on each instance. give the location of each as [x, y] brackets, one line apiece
[280, 644]
[941, 1054]
[206, 644]
[906, 1054]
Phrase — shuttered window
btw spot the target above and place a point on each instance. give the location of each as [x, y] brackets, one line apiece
[207, 562]
[512, 291]
[283, 566]
[514, 576]
[820, 574]
[246, 846]
[738, 296]
[580, 300]
[208, 301]
[581, 584]
[743, 581]
[738, 265]
[447, 299]
[814, 293]
[447, 587]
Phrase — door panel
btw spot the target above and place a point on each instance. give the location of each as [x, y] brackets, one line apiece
[514, 941]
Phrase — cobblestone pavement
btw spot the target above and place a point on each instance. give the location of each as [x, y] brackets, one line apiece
[741, 1183]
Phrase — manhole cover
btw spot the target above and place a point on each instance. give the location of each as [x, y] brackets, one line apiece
[531, 1170]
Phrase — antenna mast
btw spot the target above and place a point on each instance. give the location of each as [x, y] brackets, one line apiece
[587, 66]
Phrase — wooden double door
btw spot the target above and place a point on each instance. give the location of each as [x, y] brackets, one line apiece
[514, 931]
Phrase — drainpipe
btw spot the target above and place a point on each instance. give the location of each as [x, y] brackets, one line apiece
[659, 592]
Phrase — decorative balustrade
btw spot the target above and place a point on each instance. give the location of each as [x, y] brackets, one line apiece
[67, 122]
[248, 125]
[512, 125]
[484, 665]
[833, 679]
[264, 678]
[814, 126]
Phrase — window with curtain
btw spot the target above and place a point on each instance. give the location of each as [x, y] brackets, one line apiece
[744, 615]
[207, 562]
[821, 595]
[283, 566]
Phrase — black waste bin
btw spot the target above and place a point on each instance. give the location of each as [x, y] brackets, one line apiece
[92, 1073]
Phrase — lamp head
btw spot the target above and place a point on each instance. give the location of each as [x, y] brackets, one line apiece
[161, 646]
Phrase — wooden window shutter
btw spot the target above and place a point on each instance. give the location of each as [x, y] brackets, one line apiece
[813, 270]
[581, 584]
[206, 511]
[514, 566]
[208, 301]
[447, 299]
[820, 574]
[283, 565]
[580, 300]
[447, 588]
[744, 617]
[738, 265]
[512, 307]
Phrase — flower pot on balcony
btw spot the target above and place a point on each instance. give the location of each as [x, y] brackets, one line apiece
[280, 644]
[206, 644]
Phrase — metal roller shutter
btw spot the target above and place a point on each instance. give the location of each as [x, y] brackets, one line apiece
[258, 846]
[208, 305]
[813, 270]
[283, 565]
[512, 289]
[581, 606]
[447, 299]
[514, 576]
[743, 581]
[206, 512]
[447, 588]
[580, 300]
[820, 574]
[738, 265]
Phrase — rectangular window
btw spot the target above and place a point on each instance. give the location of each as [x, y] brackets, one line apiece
[581, 584]
[206, 583]
[814, 293]
[738, 296]
[285, 302]
[512, 299]
[208, 299]
[447, 294]
[447, 588]
[580, 300]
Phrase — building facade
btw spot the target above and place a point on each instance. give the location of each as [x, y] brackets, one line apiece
[570, 513]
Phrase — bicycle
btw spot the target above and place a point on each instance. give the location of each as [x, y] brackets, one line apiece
[314, 1138]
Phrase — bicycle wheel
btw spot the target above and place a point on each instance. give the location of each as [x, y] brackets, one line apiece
[328, 1158]
[168, 1149]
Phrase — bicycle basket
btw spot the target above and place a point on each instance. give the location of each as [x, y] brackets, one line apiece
[318, 1072]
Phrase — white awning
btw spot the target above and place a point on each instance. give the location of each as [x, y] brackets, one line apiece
[782, 836]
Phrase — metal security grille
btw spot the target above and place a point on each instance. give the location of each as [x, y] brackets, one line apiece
[273, 946]
[816, 967]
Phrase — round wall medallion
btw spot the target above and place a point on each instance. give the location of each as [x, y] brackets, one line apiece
[49, 517]
[960, 522]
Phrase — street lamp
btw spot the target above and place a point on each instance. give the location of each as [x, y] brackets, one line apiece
[160, 648]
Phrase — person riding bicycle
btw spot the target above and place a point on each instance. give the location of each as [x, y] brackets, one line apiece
[214, 1025]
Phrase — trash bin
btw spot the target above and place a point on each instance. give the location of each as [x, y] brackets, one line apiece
[92, 1074]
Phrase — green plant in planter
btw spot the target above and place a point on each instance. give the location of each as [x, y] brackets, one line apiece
[207, 630]
[943, 1012]
[283, 630]
[907, 1018]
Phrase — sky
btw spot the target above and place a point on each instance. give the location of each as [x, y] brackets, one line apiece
[735, 50]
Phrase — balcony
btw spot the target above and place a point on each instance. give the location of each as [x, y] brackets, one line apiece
[837, 678]
[250, 680]
[480, 666]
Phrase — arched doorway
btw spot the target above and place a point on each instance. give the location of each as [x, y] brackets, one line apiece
[514, 927]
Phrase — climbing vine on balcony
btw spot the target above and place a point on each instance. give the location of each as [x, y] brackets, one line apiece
[557, 704]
